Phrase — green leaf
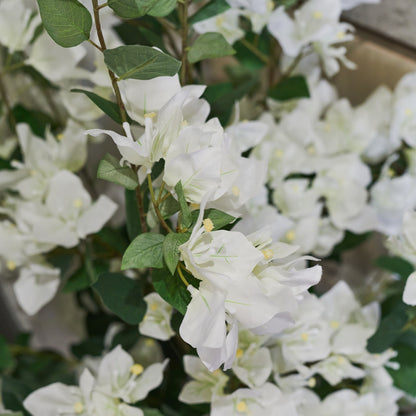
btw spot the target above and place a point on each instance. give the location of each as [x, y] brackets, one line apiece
[109, 169]
[14, 392]
[390, 329]
[151, 412]
[122, 295]
[113, 238]
[396, 265]
[37, 120]
[6, 357]
[67, 22]
[130, 9]
[211, 9]
[146, 250]
[219, 219]
[171, 289]
[12, 414]
[140, 62]
[78, 281]
[209, 45]
[290, 88]
[134, 227]
[186, 213]
[169, 206]
[81, 279]
[222, 97]
[108, 107]
[171, 249]
[404, 377]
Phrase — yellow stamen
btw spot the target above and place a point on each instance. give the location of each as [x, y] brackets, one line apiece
[78, 408]
[317, 14]
[239, 353]
[32, 172]
[136, 369]
[278, 153]
[408, 112]
[219, 20]
[312, 382]
[153, 307]
[60, 137]
[11, 265]
[390, 172]
[341, 360]
[304, 336]
[340, 34]
[150, 115]
[77, 203]
[235, 190]
[195, 206]
[241, 407]
[290, 235]
[208, 225]
[185, 123]
[267, 253]
[334, 324]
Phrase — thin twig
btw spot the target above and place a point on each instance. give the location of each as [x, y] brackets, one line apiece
[152, 197]
[111, 73]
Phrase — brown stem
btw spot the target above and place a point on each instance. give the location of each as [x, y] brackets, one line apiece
[183, 15]
[5, 98]
[141, 209]
[111, 73]
[152, 197]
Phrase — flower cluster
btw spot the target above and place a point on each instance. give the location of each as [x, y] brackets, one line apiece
[118, 384]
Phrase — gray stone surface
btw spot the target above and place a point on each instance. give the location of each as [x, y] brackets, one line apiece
[395, 18]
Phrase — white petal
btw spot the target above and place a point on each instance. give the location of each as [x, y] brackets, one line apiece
[409, 294]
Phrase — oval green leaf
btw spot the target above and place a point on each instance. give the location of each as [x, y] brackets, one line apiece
[146, 250]
[209, 45]
[140, 62]
[67, 22]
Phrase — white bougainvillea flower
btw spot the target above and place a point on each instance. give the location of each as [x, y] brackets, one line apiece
[147, 96]
[226, 23]
[44, 158]
[18, 23]
[68, 213]
[60, 399]
[205, 384]
[156, 322]
[161, 129]
[36, 286]
[391, 197]
[409, 294]
[121, 378]
[312, 22]
[336, 368]
[253, 363]
[259, 401]
[54, 62]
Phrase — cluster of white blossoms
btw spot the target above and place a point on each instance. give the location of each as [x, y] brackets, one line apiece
[45, 205]
[118, 384]
[327, 343]
[297, 178]
[314, 28]
[320, 153]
